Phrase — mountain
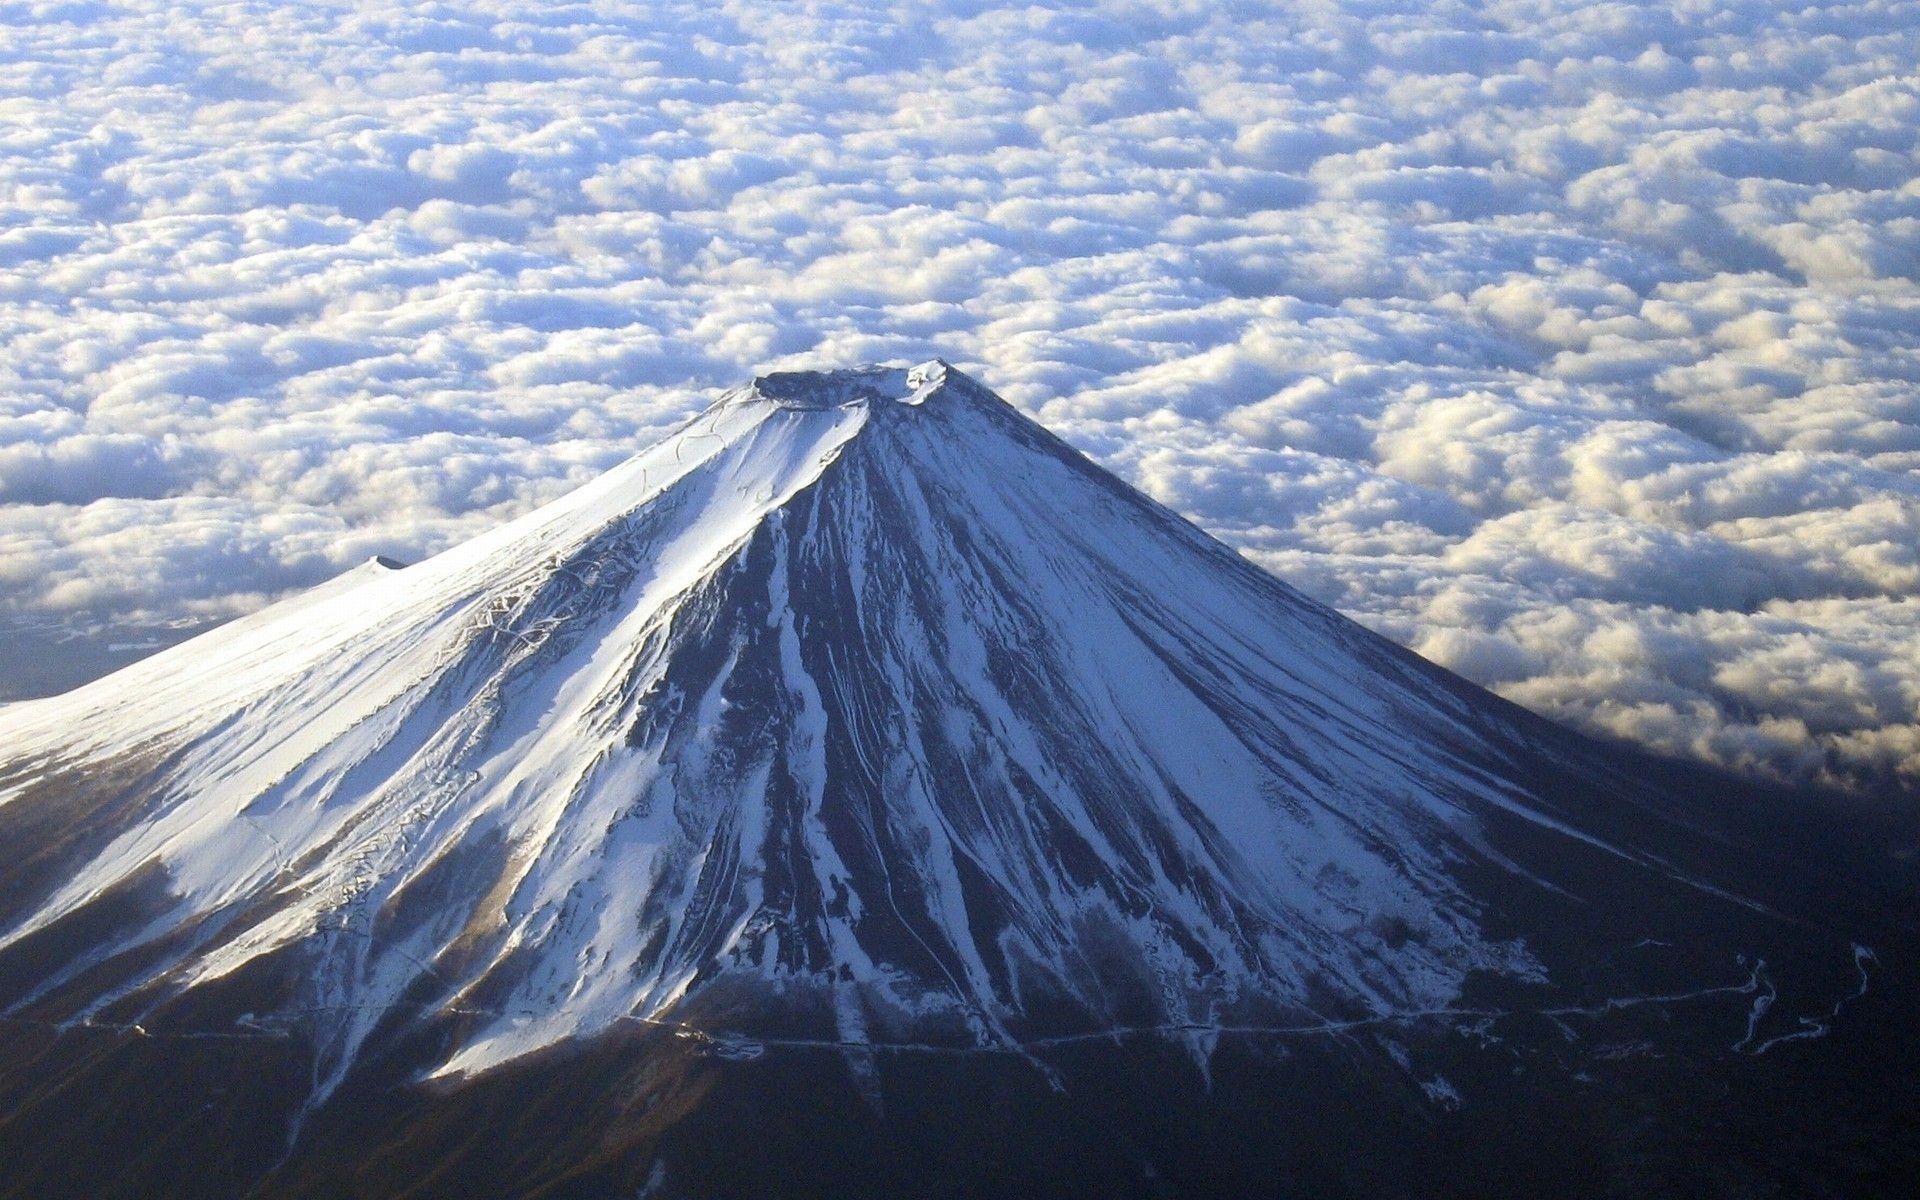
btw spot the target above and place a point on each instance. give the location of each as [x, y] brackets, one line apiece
[860, 792]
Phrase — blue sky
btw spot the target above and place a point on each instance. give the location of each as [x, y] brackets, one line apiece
[1576, 345]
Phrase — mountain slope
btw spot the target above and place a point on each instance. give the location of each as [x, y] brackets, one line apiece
[861, 714]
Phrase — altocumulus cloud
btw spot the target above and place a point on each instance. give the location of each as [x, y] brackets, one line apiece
[1575, 344]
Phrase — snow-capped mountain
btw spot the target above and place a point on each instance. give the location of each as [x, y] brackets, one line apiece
[860, 714]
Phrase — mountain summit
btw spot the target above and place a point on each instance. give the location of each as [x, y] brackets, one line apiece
[862, 718]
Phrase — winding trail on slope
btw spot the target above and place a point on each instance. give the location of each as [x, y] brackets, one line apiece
[732, 1044]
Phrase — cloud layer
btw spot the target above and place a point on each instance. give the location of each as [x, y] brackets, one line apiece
[1575, 344]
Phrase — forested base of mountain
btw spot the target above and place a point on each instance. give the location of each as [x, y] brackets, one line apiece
[1646, 1100]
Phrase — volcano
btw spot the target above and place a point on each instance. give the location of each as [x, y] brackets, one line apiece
[862, 793]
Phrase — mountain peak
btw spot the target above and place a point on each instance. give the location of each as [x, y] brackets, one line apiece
[869, 383]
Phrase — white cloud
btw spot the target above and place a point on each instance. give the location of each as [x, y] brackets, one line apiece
[1573, 344]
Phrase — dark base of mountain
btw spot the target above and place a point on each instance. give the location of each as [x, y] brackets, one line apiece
[1685, 1046]
[1646, 1101]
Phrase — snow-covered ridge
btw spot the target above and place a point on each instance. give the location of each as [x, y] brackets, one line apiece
[362, 601]
[860, 695]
